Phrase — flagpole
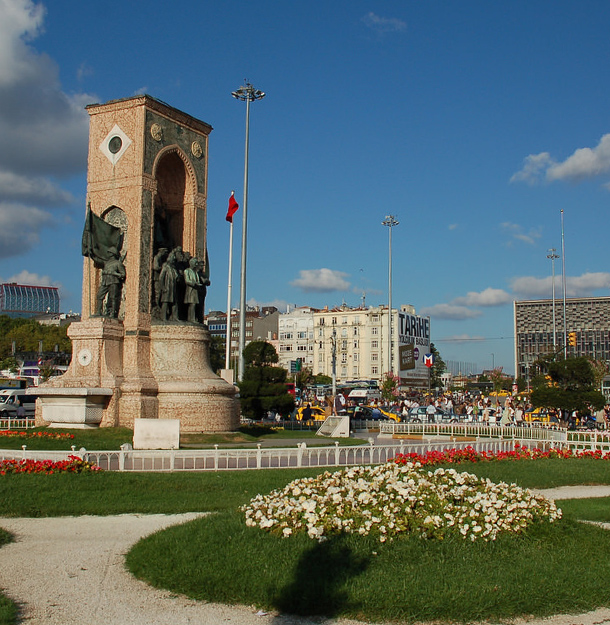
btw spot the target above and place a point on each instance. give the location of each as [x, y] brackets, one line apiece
[248, 94]
[229, 288]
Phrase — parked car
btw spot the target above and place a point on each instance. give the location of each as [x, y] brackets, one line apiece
[317, 413]
[540, 415]
[368, 413]
[420, 415]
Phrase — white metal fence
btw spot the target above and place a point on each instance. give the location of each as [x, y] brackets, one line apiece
[9, 423]
[433, 437]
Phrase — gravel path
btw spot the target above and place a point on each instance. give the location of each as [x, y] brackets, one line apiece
[70, 571]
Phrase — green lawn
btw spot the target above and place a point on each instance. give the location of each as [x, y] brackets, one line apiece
[551, 569]
[103, 439]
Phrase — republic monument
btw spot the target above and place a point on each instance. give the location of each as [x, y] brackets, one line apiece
[141, 349]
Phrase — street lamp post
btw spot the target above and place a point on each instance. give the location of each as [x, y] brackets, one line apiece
[553, 257]
[563, 280]
[247, 94]
[390, 221]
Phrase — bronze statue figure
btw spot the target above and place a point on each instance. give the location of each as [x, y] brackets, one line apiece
[168, 286]
[113, 276]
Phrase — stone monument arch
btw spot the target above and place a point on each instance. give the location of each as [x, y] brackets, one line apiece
[147, 187]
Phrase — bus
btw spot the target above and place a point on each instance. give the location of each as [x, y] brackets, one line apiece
[13, 383]
[292, 389]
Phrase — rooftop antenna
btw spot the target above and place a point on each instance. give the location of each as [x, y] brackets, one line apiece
[363, 299]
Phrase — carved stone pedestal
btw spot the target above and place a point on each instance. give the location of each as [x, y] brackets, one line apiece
[187, 388]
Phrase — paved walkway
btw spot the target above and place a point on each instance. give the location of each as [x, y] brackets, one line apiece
[70, 571]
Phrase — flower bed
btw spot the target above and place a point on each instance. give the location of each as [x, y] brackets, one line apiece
[74, 464]
[394, 499]
[469, 454]
[25, 434]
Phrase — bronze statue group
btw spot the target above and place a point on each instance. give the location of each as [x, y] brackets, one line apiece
[179, 286]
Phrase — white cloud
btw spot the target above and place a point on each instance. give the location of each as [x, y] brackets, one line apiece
[32, 189]
[383, 24]
[45, 128]
[34, 279]
[321, 281]
[453, 226]
[449, 311]
[19, 228]
[577, 286]
[584, 163]
[487, 297]
[534, 168]
[44, 131]
[517, 233]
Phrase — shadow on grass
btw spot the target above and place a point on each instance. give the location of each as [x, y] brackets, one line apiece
[320, 579]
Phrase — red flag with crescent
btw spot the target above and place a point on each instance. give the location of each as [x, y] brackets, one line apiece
[233, 206]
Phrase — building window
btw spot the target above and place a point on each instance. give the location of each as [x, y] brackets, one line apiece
[301, 335]
[343, 319]
[320, 332]
[374, 371]
[374, 331]
[285, 348]
[343, 344]
[334, 321]
[374, 344]
[355, 344]
[374, 357]
[355, 357]
[355, 331]
[343, 358]
[301, 348]
[343, 331]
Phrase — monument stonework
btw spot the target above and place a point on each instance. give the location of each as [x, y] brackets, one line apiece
[141, 350]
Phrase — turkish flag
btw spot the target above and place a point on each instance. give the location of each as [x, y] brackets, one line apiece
[233, 206]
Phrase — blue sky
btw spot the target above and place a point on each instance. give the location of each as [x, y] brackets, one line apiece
[473, 123]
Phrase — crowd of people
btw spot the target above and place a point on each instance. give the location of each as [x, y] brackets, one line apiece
[476, 408]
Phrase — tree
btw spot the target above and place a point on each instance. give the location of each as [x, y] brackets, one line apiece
[568, 384]
[438, 368]
[304, 377]
[217, 353]
[9, 363]
[263, 387]
[390, 387]
[497, 378]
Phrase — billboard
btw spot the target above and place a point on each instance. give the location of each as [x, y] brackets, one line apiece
[413, 347]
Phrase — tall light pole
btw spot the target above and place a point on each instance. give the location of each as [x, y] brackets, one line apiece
[553, 258]
[248, 94]
[563, 279]
[390, 221]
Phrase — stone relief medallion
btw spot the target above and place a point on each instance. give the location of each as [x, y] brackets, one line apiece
[156, 132]
[115, 144]
[84, 357]
[196, 149]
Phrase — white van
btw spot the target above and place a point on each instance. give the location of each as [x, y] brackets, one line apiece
[11, 398]
[364, 395]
